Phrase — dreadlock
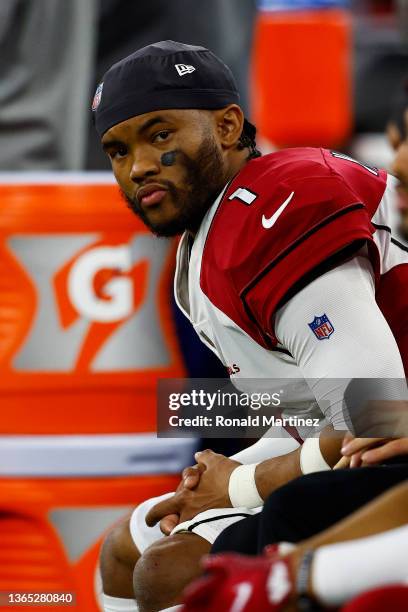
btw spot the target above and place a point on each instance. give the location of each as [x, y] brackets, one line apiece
[247, 140]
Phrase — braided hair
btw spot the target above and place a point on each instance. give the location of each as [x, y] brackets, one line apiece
[247, 140]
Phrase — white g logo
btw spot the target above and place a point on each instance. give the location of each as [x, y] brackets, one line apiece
[119, 290]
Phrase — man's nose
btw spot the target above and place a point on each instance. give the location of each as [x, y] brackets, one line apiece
[143, 165]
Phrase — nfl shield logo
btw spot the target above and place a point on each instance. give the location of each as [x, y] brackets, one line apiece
[321, 327]
[97, 97]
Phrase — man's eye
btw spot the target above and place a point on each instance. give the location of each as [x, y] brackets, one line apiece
[160, 136]
[118, 153]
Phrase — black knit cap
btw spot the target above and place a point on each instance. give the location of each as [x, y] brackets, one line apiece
[164, 75]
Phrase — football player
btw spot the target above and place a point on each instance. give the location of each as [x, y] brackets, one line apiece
[287, 268]
[306, 506]
[397, 133]
[362, 552]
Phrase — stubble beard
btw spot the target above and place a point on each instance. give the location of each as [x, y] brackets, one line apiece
[204, 181]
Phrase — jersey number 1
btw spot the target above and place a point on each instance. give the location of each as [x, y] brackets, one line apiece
[244, 195]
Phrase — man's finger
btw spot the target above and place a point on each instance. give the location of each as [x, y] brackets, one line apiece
[355, 460]
[168, 523]
[162, 509]
[206, 457]
[359, 444]
[387, 451]
[342, 464]
[191, 475]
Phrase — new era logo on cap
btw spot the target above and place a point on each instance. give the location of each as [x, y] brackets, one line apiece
[183, 69]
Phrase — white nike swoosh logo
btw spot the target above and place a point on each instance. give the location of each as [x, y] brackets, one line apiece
[268, 223]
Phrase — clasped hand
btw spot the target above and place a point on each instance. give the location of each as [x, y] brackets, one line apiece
[203, 486]
[359, 452]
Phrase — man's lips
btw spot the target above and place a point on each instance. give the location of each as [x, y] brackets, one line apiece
[151, 194]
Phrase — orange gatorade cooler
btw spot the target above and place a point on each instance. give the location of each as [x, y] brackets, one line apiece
[85, 309]
[301, 72]
[60, 495]
[86, 330]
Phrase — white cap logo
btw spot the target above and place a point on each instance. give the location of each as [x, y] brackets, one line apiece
[97, 97]
[183, 69]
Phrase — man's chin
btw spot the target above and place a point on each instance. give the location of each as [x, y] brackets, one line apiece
[163, 228]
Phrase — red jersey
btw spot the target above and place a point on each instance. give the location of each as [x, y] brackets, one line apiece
[286, 218]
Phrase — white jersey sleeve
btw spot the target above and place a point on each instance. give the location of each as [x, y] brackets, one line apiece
[342, 571]
[356, 342]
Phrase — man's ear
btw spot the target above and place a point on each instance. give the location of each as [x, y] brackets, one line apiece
[229, 123]
[394, 136]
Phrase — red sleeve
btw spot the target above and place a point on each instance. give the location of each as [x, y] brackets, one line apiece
[326, 218]
[264, 264]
